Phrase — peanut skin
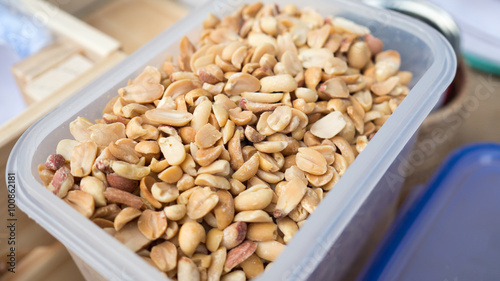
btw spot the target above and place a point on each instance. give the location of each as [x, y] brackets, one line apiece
[55, 161]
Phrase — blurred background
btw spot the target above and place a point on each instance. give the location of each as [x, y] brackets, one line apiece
[51, 49]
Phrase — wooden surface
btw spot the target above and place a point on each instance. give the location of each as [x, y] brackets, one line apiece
[134, 22]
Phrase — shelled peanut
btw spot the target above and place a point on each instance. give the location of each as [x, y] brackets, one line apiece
[207, 166]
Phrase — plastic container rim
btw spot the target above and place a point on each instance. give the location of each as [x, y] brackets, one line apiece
[320, 227]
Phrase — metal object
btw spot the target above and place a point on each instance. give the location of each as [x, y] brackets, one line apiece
[426, 12]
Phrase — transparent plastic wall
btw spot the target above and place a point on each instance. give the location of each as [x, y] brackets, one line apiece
[329, 242]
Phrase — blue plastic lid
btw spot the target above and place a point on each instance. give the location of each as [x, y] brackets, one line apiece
[451, 230]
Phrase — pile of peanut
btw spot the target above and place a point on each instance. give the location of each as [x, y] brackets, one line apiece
[207, 167]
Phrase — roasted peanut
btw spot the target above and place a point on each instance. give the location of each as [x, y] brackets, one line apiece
[82, 158]
[104, 224]
[359, 54]
[129, 171]
[241, 82]
[164, 256]
[55, 161]
[125, 216]
[171, 174]
[290, 197]
[191, 234]
[270, 177]
[248, 169]
[65, 147]
[108, 212]
[201, 202]
[217, 264]
[280, 118]
[185, 183]
[288, 227]
[328, 126]
[214, 238]
[374, 44]
[45, 174]
[385, 87]
[246, 132]
[189, 166]
[172, 150]
[152, 224]
[61, 182]
[210, 219]
[236, 275]
[175, 212]
[164, 192]
[122, 197]
[262, 231]
[269, 250]
[131, 236]
[236, 187]
[81, 202]
[207, 136]
[187, 270]
[218, 168]
[169, 117]
[212, 181]
[234, 234]
[310, 201]
[311, 161]
[104, 134]
[271, 146]
[145, 187]
[255, 198]
[239, 254]
[253, 216]
[224, 210]
[295, 172]
[318, 181]
[79, 129]
[145, 88]
[327, 150]
[121, 183]
[94, 187]
[386, 64]
[207, 156]
[333, 88]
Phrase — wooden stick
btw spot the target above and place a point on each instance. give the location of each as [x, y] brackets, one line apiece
[81, 33]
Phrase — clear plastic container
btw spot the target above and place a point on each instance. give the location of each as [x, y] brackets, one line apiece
[331, 239]
[449, 228]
